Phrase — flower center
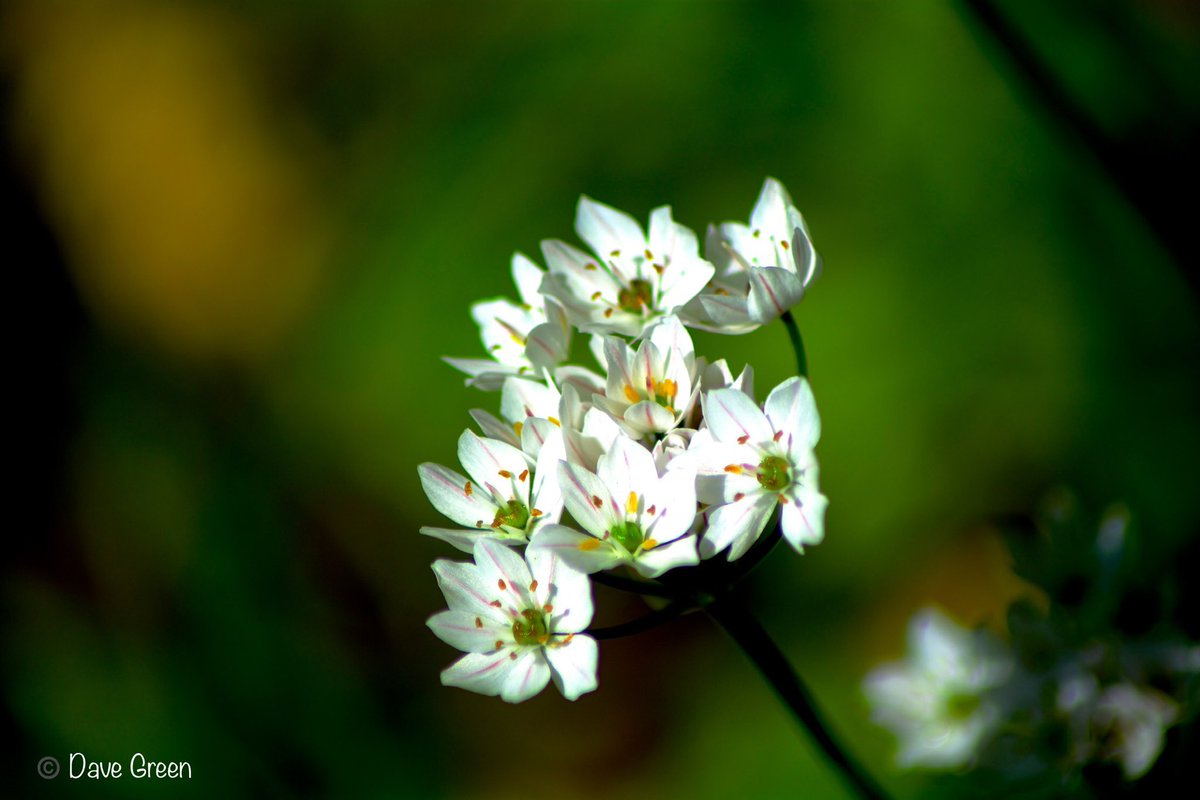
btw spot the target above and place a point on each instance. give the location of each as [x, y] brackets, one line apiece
[637, 295]
[628, 534]
[961, 705]
[774, 474]
[530, 627]
[664, 394]
[514, 514]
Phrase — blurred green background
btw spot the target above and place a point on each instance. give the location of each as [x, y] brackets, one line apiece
[246, 232]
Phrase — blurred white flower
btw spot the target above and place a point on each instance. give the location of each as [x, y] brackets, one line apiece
[520, 623]
[762, 269]
[1128, 725]
[937, 701]
[632, 279]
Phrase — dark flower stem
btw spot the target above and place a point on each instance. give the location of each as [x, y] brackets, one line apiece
[793, 330]
[760, 648]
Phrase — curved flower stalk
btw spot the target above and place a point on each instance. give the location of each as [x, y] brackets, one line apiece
[762, 269]
[939, 701]
[520, 622]
[521, 338]
[749, 462]
[632, 279]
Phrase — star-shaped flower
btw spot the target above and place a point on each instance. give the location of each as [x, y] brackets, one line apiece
[630, 514]
[521, 338]
[937, 700]
[505, 498]
[762, 269]
[632, 279]
[651, 390]
[748, 462]
[520, 622]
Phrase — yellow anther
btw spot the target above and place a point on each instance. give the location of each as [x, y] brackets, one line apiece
[649, 544]
[590, 544]
[668, 388]
[631, 394]
[733, 469]
[631, 505]
[517, 426]
[554, 421]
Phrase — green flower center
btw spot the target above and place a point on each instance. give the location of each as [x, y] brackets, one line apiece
[629, 535]
[513, 515]
[774, 474]
[531, 628]
[637, 295]
[961, 705]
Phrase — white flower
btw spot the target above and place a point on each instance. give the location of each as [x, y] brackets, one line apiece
[762, 269]
[1129, 724]
[631, 515]
[529, 410]
[521, 338]
[748, 462]
[632, 279]
[651, 390]
[937, 700]
[504, 499]
[520, 623]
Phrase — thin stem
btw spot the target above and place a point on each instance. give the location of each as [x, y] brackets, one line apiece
[758, 646]
[676, 608]
[797, 343]
[635, 586]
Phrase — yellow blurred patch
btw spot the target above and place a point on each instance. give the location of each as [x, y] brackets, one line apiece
[185, 211]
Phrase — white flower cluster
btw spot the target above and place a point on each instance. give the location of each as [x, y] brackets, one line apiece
[659, 460]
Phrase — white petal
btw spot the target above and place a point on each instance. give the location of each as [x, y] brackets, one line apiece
[581, 551]
[574, 666]
[770, 214]
[803, 519]
[529, 675]
[673, 341]
[737, 525]
[682, 281]
[465, 590]
[674, 498]
[647, 417]
[669, 238]
[504, 326]
[528, 279]
[522, 397]
[494, 464]
[448, 491]
[606, 229]
[729, 311]
[679, 553]
[565, 588]
[808, 261]
[627, 467]
[469, 632]
[547, 345]
[493, 427]
[773, 290]
[504, 574]
[619, 359]
[465, 539]
[482, 673]
[733, 417]
[485, 373]
[791, 408]
[588, 499]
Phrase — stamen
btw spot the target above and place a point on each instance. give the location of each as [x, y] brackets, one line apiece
[505, 473]
[652, 510]
[478, 622]
[467, 489]
[548, 608]
[513, 655]
[590, 544]
[733, 469]
[784, 244]
[517, 426]
[743, 439]
[495, 604]
[524, 474]
[590, 267]
[632, 503]
[535, 512]
[597, 502]
[649, 544]
[631, 395]
[554, 421]
[596, 295]
[738, 496]
[533, 586]
[778, 435]
[499, 644]
[649, 256]
[502, 584]
[608, 312]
